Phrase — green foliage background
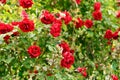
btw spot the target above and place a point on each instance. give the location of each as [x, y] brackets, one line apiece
[89, 44]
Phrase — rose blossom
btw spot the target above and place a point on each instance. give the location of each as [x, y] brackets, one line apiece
[67, 61]
[34, 51]
[108, 34]
[64, 46]
[88, 23]
[97, 15]
[115, 35]
[26, 3]
[79, 23]
[47, 17]
[97, 6]
[78, 1]
[26, 25]
[114, 77]
[67, 17]
[4, 28]
[55, 29]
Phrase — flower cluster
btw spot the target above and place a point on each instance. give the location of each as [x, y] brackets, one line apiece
[97, 14]
[67, 53]
[49, 18]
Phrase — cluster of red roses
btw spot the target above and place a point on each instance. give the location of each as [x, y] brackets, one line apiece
[27, 25]
[67, 53]
[109, 35]
[5, 28]
[49, 18]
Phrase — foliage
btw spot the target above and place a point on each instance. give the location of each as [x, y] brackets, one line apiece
[90, 47]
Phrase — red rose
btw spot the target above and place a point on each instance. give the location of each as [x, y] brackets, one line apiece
[3, 1]
[26, 3]
[64, 46]
[55, 29]
[114, 77]
[26, 25]
[6, 38]
[88, 23]
[79, 23]
[34, 51]
[97, 15]
[84, 73]
[78, 1]
[47, 18]
[4, 28]
[67, 17]
[67, 61]
[115, 35]
[97, 6]
[118, 14]
[108, 35]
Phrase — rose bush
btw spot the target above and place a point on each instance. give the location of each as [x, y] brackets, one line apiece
[59, 40]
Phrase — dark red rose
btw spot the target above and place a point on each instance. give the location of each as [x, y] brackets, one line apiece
[16, 33]
[6, 38]
[118, 14]
[88, 23]
[97, 15]
[26, 25]
[97, 6]
[55, 29]
[34, 51]
[78, 1]
[79, 23]
[114, 77]
[4, 28]
[108, 35]
[47, 17]
[84, 73]
[3, 1]
[64, 46]
[67, 61]
[115, 35]
[67, 17]
[26, 3]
